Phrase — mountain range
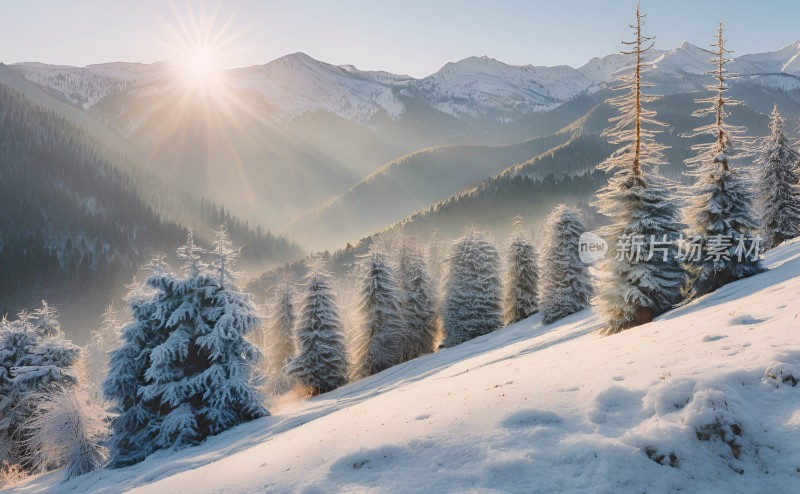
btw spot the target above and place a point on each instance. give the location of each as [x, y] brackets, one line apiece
[297, 84]
[327, 154]
[298, 145]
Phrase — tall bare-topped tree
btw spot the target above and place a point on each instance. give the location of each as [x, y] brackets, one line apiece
[719, 214]
[640, 282]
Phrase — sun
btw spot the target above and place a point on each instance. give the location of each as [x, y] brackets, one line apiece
[199, 43]
[200, 66]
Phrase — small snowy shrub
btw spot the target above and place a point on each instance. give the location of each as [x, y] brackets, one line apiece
[781, 373]
[33, 358]
[67, 429]
[713, 413]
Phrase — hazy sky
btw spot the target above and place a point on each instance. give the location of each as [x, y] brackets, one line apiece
[415, 37]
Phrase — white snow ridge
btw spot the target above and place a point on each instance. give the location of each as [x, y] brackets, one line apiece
[704, 399]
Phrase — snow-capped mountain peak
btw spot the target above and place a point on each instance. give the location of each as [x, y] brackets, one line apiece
[297, 83]
[784, 61]
[687, 59]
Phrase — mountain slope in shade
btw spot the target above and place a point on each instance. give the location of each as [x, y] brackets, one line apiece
[78, 219]
[703, 399]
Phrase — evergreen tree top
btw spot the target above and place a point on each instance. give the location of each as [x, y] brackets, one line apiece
[776, 122]
[191, 255]
[775, 148]
[224, 257]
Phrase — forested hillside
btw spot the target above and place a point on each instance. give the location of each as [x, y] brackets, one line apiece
[76, 224]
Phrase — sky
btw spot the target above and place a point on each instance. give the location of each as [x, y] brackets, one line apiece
[414, 37]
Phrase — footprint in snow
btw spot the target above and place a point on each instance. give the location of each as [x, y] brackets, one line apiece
[616, 409]
[531, 418]
[748, 320]
[369, 461]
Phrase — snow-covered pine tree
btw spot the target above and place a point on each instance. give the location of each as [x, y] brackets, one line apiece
[321, 362]
[33, 358]
[277, 340]
[778, 186]
[137, 420]
[521, 289]
[639, 284]
[230, 397]
[565, 284]
[101, 342]
[185, 369]
[719, 216]
[67, 428]
[346, 291]
[202, 373]
[472, 305]
[437, 254]
[383, 335]
[45, 320]
[418, 301]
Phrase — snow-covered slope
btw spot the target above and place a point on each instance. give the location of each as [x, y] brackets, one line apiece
[698, 401]
[786, 60]
[86, 86]
[474, 87]
[477, 84]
